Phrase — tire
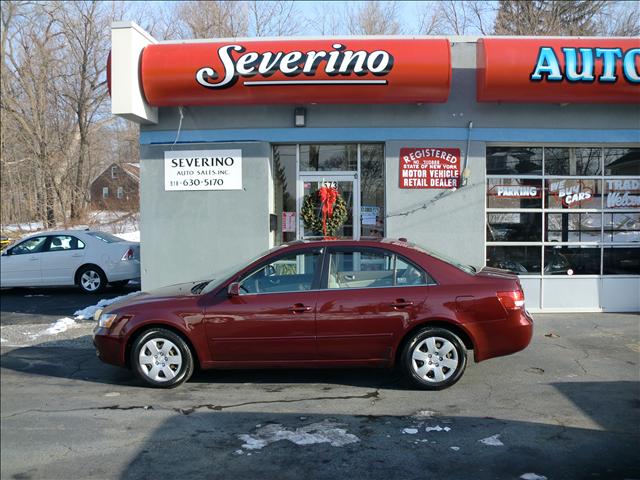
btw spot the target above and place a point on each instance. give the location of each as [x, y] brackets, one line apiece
[119, 284]
[445, 369]
[143, 358]
[91, 279]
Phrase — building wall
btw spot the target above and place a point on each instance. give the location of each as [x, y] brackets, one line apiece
[130, 199]
[188, 235]
[180, 229]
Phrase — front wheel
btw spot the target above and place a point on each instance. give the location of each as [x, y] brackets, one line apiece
[162, 358]
[434, 359]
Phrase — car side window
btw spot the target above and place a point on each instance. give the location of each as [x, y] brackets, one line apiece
[372, 269]
[293, 272]
[64, 242]
[32, 245]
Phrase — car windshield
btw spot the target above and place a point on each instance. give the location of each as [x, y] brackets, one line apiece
[105, 237]
[223, 275]
[440, 256]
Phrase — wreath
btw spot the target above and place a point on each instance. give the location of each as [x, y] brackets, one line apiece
[324, 211]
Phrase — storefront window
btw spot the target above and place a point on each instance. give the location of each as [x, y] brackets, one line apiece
[284, 180]
[514, 160]
[514, 227]
[372, 191]
[588, 222]
[573, 193]
[621, 260]
[523, 260]
[514, 193]
[333, 158]
[572, 161]
[571, 260]
[573, 227]
[622, 161]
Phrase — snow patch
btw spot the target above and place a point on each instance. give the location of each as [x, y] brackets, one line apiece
[492, 441]
[437, 428]
[532, 476]
[59, 326]
[455, 449]
[88, 312]
[321, 432]
[129, 236]
[410, 431]
[424, 414]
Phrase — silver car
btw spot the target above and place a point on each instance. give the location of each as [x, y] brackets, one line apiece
[86, 258]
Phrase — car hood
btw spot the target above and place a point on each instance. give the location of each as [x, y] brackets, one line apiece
[179, 290]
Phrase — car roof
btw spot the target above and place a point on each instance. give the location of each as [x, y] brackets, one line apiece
[57, 232]
[365, 242]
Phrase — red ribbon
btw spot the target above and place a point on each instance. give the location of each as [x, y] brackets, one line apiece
[328, 198]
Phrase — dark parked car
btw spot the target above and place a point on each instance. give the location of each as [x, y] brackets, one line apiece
[321, 304]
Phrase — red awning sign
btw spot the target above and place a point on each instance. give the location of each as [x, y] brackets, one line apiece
[296, 71]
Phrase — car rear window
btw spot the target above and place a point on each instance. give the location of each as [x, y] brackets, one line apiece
[105, 237]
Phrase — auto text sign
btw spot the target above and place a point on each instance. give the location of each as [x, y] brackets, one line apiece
[203, 170]
[430, 168]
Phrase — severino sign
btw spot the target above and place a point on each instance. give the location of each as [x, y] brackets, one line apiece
[250, 72]
[203, 170]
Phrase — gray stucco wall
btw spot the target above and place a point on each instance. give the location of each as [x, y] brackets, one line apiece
[186, 235]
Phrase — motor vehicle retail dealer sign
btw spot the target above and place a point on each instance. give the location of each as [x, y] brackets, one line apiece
[203, 170]
[430, 168]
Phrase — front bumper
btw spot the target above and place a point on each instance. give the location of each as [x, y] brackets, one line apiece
[501, 337]
[109, 348]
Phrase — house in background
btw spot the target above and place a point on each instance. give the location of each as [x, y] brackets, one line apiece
[117, 188]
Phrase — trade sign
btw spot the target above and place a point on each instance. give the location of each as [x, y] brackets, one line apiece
[430, 167]
[558, 70]
[296, 71]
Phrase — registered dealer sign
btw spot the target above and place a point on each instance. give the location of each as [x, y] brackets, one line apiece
[203, 170]
[429, 167]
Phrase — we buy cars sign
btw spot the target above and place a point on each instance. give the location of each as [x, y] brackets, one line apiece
[430, 167]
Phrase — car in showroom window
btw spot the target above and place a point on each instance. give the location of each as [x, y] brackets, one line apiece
[367, 303]
[88, 259]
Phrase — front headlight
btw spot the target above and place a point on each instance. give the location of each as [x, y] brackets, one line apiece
[107, 319]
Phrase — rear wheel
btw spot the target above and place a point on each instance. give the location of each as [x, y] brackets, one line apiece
[162, 358]
[434, 359]
[91, 279]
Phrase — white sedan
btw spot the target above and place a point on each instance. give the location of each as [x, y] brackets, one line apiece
[86, 258]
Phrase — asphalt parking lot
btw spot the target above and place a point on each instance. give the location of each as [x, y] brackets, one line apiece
[567, 407]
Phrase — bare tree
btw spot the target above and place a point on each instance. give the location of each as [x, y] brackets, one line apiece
[83, 25]
[456, 17]
[619, 19]
[213, 19]
[373, 18]
[274, 18]
[548, 17]
[326, 19]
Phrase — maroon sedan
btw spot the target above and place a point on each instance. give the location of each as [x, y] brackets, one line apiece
[323, 304]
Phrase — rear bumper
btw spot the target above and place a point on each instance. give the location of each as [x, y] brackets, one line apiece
[124, 270]
[501, 337]
[110, 349]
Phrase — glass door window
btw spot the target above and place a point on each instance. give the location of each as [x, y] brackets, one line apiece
[346, 189]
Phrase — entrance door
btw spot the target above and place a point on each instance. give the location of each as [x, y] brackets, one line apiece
[347, 186]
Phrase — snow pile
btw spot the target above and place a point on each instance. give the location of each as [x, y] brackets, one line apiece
[321, 432]
[437, 428]
[59, 326]
[88, 312]
[532, 476]
[493, 441]
[130, 236]
[23, 227]
[410, 431]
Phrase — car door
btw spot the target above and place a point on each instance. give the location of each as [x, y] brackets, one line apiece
[273, 317]
[63, 255]
[21, 264]
[370, 295]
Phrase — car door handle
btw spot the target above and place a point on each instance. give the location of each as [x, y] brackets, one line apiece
[77, 255]
[299, 308]
[34, 259]
[401, 304]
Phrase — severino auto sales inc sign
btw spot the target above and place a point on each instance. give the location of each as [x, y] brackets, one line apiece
[430, 167]
[203, 170]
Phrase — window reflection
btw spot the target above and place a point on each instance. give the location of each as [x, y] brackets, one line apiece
[514, 160]
[328, 158]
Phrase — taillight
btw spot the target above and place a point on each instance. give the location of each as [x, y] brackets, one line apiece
[128, 255]
[513, 300]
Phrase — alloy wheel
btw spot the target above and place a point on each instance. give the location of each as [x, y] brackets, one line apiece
[90, 280]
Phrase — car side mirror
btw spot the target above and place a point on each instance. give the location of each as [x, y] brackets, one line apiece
[234, 289]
